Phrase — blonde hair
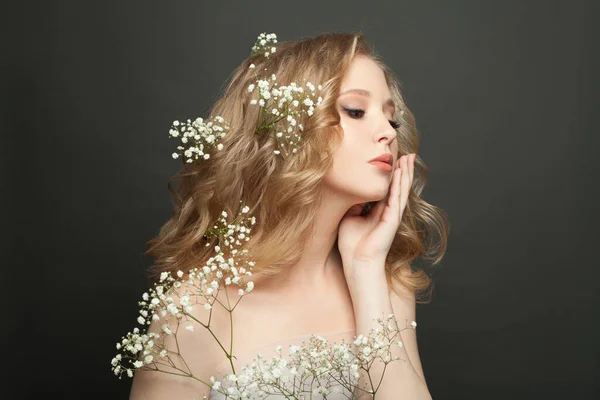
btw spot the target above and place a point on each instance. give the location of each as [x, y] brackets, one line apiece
[282, 192]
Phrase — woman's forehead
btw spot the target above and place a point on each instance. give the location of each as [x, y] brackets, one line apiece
[365, 78]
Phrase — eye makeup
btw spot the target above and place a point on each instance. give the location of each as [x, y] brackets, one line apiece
[352, 113]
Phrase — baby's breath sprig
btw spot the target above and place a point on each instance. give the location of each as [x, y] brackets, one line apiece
[261, 43]
[281, 106]
[224, 231]
[175, 298]
[327, 368]
[199, 136]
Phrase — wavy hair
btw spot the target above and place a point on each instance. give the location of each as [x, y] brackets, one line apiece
[282, 192]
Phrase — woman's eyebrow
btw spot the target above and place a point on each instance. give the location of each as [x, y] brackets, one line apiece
[363, 92]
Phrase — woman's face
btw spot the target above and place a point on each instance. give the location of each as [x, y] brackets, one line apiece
[366, 121]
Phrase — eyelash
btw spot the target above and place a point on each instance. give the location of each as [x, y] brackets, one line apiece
[394, 124]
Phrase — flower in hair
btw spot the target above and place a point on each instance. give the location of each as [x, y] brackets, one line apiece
[199, 136]
[281, 107]
[261, 43]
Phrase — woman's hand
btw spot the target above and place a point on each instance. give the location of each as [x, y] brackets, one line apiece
[367, 239]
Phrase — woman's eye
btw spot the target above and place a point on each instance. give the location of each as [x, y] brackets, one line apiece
[394, 124]
[352, 112]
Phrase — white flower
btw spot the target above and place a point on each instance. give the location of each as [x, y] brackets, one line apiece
[184, 300]
[201, 136]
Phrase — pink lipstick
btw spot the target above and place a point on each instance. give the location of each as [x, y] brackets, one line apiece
[383, 162]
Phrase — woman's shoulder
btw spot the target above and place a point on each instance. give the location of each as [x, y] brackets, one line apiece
[192, 350]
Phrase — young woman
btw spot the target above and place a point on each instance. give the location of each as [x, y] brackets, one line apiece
[335, 231]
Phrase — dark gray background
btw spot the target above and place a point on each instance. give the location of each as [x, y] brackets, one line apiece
[505, 99]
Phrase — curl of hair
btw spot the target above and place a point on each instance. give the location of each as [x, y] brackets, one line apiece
[283, 193]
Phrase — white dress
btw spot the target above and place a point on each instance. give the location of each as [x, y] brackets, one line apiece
[268, 352]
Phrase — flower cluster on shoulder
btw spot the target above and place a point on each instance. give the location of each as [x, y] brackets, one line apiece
[177, 296]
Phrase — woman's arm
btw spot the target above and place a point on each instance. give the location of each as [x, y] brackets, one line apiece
[405, 310]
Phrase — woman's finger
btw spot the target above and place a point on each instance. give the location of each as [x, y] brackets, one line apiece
[404, 184]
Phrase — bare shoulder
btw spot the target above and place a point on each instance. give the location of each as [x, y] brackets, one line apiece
[270, 314]
[192, 355]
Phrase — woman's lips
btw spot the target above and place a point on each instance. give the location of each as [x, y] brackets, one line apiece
[382, 165]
